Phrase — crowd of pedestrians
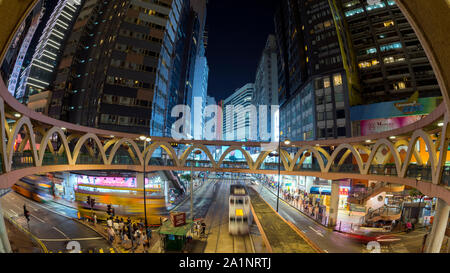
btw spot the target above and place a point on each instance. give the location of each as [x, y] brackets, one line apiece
[131, 235]
[302, 201]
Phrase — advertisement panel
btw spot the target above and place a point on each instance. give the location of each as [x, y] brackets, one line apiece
[373, 126]
[411, 107]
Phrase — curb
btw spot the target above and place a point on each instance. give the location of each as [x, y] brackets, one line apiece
[101, 234]
[301, 234]
[34, 238]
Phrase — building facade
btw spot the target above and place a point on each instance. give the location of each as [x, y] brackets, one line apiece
[126, 64]
[266, 90]
[313, 89]
[239, 115]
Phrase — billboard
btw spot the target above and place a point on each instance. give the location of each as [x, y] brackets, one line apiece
[373, 126]
[386, 110]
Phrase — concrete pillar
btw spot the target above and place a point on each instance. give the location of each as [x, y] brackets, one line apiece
[140, 180]
[436, 237]
[334, 204]
[5, 247]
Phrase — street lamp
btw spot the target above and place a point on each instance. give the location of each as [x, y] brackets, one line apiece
[197, 152]
[145, 139]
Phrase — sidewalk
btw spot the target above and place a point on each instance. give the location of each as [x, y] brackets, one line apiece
[19, 241]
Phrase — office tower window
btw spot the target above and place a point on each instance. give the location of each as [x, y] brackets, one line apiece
[337, 80]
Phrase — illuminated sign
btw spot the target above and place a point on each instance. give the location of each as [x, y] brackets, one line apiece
[239, 212]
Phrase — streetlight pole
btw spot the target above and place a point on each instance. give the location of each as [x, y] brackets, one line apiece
[145, 139]
[279, 171]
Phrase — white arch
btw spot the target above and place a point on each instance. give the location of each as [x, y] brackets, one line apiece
[82, 141]
[133, 144]
[46, 140]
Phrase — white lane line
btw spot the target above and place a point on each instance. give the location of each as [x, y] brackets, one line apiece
[61, 232]
[316, 231]
[38, 218]
[73, 239]
[14, 213]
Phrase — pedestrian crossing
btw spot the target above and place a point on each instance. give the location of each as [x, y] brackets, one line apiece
[91, 251]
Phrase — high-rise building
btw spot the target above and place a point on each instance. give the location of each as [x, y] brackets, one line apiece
[391, 64]
[313, 88]
[237, 115]
[199, 95]
[126, 64]
[38, 76]
[16, 57]
[391, 61]
[266, 90]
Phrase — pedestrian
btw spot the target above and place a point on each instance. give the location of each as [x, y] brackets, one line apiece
[109, 222]
[121, 228]
[111, 234]
[95, 219]
[116, 226]
[203, 228]
[146, 242]
[408, 227]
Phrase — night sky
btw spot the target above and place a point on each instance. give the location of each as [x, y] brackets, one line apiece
[238, 31]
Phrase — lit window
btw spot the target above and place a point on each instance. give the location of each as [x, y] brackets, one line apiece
[326, 82]
[389, 23]
[337, 80]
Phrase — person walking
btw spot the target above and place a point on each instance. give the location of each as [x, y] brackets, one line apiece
[111, 234]
[116, 226]
[95, 220]
[109, 222]
[121, 228]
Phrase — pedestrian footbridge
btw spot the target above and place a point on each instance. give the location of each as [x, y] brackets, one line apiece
[415, 155]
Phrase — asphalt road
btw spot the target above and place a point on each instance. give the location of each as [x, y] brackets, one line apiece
[327, 240]
[53, 225]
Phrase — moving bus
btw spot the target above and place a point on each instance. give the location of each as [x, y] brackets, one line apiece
[239, 210]
[126, 202]
[35, 187]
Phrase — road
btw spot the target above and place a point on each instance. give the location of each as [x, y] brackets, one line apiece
[329, 241]
[219, 239]
[53, 225]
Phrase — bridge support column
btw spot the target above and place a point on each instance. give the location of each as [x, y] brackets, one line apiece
[334, 204]
[436, 237]
[5, 247]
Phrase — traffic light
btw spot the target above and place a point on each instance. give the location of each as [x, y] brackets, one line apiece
[89, 200]
[113, 212]
[92, 202]
[108, 210]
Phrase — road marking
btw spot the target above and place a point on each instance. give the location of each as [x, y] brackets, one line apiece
[38, 218]
[316, 231]
[73, 239]
[15, 214]
[61, 232]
